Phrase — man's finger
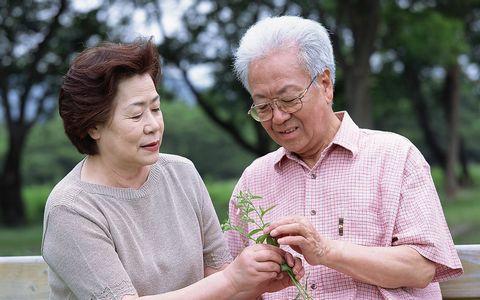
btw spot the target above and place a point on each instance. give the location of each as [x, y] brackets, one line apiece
[283, 221]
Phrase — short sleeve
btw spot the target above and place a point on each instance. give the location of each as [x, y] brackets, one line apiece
[215, 250]
[236, 242]
[420, 222]
[80, 252]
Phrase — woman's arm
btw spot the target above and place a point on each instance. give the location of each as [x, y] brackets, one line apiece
[244, 278]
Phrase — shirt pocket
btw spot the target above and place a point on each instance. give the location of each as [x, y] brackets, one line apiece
[362, 221]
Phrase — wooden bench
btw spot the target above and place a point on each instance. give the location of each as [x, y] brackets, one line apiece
[25, 277]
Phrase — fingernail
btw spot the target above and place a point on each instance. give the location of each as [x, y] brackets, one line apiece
[273, 233]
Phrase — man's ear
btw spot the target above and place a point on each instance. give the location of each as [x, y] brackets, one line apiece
[326, 85]
[95, 132]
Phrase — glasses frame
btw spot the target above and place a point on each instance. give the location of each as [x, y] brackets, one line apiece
[270, 103]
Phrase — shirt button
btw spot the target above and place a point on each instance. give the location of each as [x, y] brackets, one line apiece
[313, 212]
[313, 286]
[313, 176]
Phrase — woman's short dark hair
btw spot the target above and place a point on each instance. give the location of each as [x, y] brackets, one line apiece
[89, 87]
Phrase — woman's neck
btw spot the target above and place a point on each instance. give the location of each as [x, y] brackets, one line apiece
[99, 170]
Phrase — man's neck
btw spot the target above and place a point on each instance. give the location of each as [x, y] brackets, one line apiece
[331, 131]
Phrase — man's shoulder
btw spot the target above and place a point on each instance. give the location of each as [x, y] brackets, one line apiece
[268, 160]
[384, 140]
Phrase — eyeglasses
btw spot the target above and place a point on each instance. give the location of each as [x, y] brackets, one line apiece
[264, 111]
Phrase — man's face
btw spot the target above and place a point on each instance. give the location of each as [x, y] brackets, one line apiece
[280, 75]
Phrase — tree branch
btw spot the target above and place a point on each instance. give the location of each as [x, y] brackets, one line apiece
[5, 103]
[227, 126]
[37, 56]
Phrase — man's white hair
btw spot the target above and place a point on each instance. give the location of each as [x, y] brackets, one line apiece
[277, 33]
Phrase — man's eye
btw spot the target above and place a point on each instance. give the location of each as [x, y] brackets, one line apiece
[261, 107]
[288, 100]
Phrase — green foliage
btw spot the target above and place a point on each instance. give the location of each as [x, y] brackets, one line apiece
[432, 38]
[246, 208]
[220, 192]
[20, 241]
[49, 155]
[188, 132]
[35, 198]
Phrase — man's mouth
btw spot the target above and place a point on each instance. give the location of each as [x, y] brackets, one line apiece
[289, 130]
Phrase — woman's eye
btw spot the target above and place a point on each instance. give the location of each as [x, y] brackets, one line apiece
[137, 117]
[156, 109]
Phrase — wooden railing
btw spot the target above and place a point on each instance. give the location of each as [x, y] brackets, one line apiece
[25, 277]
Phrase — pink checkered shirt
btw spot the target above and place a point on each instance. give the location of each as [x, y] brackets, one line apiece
[381, 186]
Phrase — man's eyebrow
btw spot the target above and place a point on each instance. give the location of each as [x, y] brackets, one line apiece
[142, 103]
[287, 87]
[280, 92]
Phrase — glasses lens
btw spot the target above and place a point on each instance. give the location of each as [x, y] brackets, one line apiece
[262, 113]
[290, 106]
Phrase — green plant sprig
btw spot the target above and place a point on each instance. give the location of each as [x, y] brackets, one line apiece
[246, 207]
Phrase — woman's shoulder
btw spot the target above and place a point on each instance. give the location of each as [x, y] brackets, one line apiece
[66, 190]
[172, 159]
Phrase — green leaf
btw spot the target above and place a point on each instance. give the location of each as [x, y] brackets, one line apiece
[261, 238]
[251, 233]
[267, 210]
[272, 241]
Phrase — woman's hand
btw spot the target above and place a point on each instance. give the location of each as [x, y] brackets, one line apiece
[253, 266]
[283, 280]
[257, 270]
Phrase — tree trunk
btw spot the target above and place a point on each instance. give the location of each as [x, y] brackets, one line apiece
[11, 204]
[364, 17]
[465, 179]
[357, 91]
[422, 113]
[451, 100]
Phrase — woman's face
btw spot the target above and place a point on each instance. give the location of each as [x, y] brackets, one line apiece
[132, 137]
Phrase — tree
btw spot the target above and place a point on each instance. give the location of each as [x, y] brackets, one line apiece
[212, 30]
[37, 40]
[428, 42]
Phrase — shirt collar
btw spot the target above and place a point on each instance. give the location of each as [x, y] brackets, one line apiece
[348, 134]
[346, 137]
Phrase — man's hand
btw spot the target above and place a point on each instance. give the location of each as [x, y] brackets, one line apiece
[301, 236]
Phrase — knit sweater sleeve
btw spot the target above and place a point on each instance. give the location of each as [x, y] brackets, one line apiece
[78, 249]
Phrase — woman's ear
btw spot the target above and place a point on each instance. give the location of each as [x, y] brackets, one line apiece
[94, 132]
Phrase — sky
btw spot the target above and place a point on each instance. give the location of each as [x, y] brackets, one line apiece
[141, 27]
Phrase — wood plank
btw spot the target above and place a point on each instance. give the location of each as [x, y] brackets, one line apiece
[468, 285]
[23, 277]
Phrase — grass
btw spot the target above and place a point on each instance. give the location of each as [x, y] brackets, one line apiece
[462, 214]
[20, 241]
[220, 192]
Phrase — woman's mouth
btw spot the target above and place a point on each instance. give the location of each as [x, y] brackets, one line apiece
[152, 147]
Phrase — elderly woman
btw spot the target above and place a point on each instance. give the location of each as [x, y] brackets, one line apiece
[127, 222]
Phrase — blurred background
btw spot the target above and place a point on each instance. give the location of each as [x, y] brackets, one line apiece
[410, 67]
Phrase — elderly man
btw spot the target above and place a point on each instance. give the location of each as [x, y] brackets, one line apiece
[359, 205]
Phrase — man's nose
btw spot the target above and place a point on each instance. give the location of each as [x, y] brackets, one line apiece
[278, 115]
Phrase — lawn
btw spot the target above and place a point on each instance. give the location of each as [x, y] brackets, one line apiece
[462, 214]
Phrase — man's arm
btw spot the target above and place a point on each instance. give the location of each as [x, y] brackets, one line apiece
[387, 267]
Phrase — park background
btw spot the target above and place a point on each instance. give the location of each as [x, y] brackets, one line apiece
[411, 67]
